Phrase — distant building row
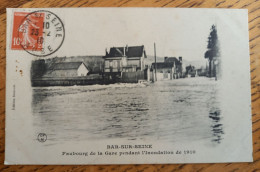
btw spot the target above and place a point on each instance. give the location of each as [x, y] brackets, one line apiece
[126, 64]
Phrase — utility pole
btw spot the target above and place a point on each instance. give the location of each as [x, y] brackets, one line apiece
[155, 66]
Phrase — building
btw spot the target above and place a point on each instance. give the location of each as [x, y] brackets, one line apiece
[124, 59]
[171, 68]
[67, 69]
[202, 71]
[190, 71]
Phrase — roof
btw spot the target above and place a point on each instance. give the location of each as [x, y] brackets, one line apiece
[116, 52]
[134, 51]
[169, 62]
[162, 65]
[172, 60]
[67, 65]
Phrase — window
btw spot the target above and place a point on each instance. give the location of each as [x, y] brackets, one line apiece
[107, 64]
[114, 64]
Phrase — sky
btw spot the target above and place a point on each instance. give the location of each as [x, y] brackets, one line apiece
[176, 32]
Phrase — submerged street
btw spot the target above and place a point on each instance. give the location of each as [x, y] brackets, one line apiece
[182, 110]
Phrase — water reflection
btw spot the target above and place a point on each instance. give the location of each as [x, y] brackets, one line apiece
[217, 127]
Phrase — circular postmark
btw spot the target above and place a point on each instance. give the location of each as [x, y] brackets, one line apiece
[41, 33]
[42, 137]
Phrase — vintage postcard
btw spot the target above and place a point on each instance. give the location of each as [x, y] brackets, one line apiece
[127, 86]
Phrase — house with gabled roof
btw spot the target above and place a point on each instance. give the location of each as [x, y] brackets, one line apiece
[171, 68]
[67, 69]
[124, 59]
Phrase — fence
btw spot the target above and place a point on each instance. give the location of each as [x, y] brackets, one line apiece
[68, 81]
[133, 77]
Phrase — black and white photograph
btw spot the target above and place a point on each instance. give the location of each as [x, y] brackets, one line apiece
[131, 85]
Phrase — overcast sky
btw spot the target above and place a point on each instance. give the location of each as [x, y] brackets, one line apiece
[176, 32]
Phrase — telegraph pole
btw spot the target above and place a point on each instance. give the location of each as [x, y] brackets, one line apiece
[155, 66]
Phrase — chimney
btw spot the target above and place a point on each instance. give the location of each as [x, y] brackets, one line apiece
[180, 59]
[165, 58]
[126, 49]
[106, 52]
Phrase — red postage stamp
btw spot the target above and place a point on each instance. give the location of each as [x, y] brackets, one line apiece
[40, 33]
[27, 31]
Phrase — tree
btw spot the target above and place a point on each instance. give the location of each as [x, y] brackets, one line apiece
[213, 50]
[38, 68]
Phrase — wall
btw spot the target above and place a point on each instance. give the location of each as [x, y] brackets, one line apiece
[82, 70]
[133, 63]
[115, 65]
[68, 81]
[64, 73]
[133, 77]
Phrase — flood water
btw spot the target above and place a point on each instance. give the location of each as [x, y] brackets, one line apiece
[176, 111]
